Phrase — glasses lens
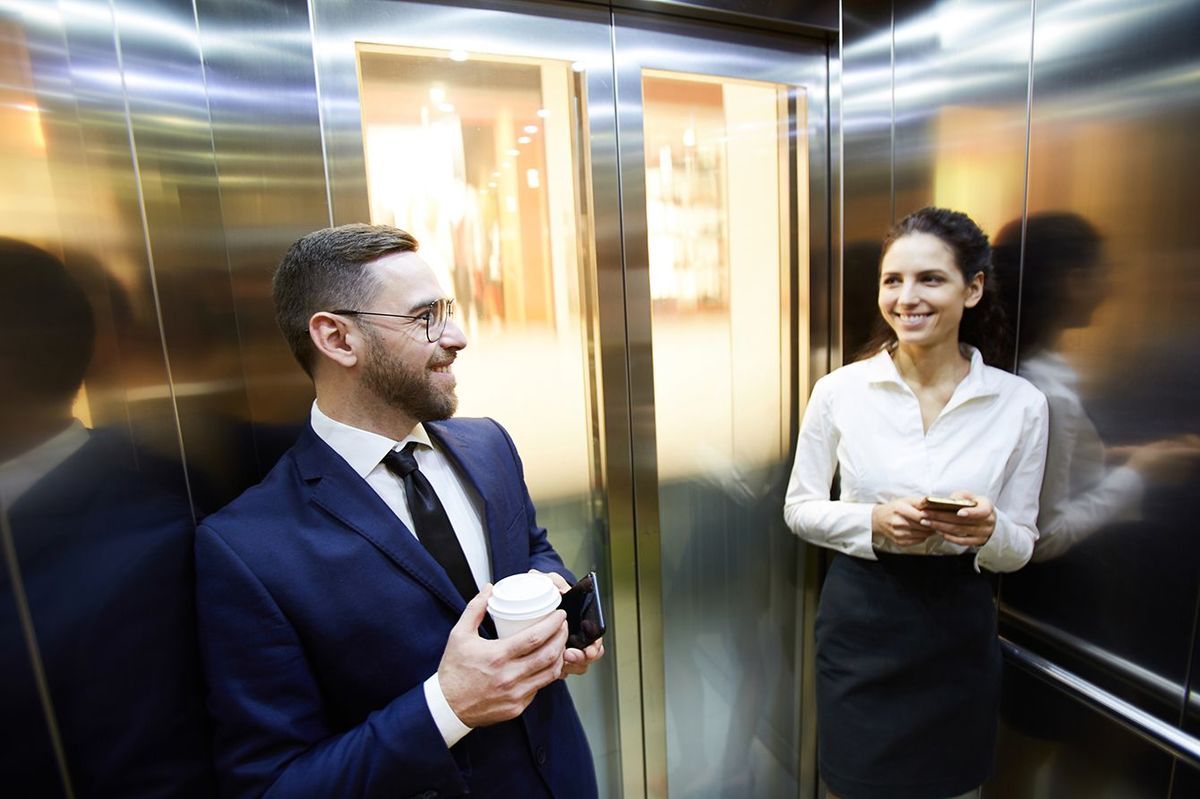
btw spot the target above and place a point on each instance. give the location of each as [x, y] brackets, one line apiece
[439, 314]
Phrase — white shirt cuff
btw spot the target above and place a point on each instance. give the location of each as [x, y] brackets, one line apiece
[448, 723]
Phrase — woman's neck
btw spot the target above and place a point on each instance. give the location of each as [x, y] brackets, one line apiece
[941, 364]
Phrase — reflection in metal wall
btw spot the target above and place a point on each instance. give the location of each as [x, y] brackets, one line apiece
[97, 526]
[1109, 333]
[1077, 160]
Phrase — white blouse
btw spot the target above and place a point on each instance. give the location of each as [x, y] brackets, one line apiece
[864, 421]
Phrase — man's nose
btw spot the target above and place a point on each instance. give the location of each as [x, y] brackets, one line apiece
[453, 337]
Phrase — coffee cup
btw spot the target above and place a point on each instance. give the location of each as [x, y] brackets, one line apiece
[521, 600]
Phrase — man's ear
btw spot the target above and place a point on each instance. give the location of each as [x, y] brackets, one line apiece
[333, 337]
[974, 290]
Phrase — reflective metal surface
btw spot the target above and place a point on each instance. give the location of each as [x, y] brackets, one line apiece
[727, 578]
[97, 523]
[1061, 126]
[168, 151]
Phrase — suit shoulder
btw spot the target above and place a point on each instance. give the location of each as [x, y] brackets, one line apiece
[261, 504]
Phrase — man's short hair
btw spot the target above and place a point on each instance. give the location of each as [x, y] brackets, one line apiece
[325, 271]
[38, 296]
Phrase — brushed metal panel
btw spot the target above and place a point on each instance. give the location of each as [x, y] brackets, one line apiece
[643, 42]
[867, 202]
[760, 13]
[94, 535]
[961, 87]
[162, 71]
[1108, 333]
[262, 97]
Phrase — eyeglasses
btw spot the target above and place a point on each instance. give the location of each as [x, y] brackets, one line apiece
[435, 318]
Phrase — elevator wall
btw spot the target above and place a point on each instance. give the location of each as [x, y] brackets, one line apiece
[1063, 128]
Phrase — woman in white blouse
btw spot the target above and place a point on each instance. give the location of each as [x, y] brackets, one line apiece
[908, 664]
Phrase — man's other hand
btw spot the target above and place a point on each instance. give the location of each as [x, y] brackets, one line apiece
[575, 661]
[485, 681]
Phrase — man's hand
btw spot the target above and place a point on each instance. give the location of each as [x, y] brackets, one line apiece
[969, 527]
[575, 661]
[900, 521]
[485, 681]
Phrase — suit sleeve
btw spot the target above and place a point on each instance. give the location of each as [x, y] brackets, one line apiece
[542, 555]
[273, 737]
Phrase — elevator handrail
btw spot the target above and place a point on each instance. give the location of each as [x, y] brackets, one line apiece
[1166, 737]
[1161, 688]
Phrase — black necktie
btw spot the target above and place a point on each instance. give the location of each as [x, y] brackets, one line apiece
[432, 525]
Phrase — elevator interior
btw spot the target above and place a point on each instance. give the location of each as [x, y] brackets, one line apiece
[661, 222]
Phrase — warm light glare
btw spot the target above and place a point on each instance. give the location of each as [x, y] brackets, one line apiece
[459, 55]
[514, 152]
[531, 128]
[578, 66]
[689, 138]
[437, 94]
[524, 140]
[543, 112]
[446, 108]
[533, 179]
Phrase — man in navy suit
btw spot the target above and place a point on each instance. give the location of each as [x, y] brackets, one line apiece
[342, 654]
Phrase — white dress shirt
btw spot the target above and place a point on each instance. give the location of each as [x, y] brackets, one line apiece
[364, 452]
[865, 421]
[1081, 493]
[20, 474]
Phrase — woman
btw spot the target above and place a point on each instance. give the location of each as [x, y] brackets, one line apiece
[908, 664]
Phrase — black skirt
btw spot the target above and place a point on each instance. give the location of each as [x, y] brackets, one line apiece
[908, 677]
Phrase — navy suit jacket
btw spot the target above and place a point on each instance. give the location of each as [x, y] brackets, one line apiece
[105, 554]
[321, 616]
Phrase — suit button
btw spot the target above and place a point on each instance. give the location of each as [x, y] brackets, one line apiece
[540, 754]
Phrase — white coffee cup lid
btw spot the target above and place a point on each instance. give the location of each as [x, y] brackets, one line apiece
[524, 594]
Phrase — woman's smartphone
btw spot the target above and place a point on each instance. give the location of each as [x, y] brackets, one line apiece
[949, 504]
[585, 616]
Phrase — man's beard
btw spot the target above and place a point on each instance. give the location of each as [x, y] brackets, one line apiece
[401, 386]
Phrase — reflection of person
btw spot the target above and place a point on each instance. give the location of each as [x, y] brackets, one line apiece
[342, 654]
[908, 664]
[104, 556]
[1062, 284]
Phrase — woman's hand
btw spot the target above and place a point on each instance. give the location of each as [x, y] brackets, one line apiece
[969, 527]
[899, 521]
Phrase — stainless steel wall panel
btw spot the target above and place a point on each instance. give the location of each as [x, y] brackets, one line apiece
[815, 14]
[166, 99]
[261, 87]
[961, 87]
[1108, 332]
[103, 540]
[867, 203]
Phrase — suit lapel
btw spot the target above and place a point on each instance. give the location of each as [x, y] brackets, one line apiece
[341, 493]
[477, 461]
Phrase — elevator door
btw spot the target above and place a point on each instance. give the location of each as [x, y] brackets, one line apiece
[590, 281]
[724, 197]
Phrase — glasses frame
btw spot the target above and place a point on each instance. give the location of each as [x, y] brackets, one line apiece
[427, 316]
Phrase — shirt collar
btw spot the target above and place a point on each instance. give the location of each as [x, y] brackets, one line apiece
[361, 449]
[21, 473]
[979, 382]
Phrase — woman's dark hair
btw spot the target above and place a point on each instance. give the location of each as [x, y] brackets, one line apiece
[985, 326]
[1059, 247]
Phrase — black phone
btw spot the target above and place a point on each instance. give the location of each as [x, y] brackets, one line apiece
[585, 615]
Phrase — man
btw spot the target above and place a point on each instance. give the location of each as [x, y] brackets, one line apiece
[342, 653]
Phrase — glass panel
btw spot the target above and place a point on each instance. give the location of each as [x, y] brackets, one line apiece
[482, 158]
[724, 233]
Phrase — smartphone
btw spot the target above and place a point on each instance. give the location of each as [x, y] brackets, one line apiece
[585, 615]
[949, 504]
